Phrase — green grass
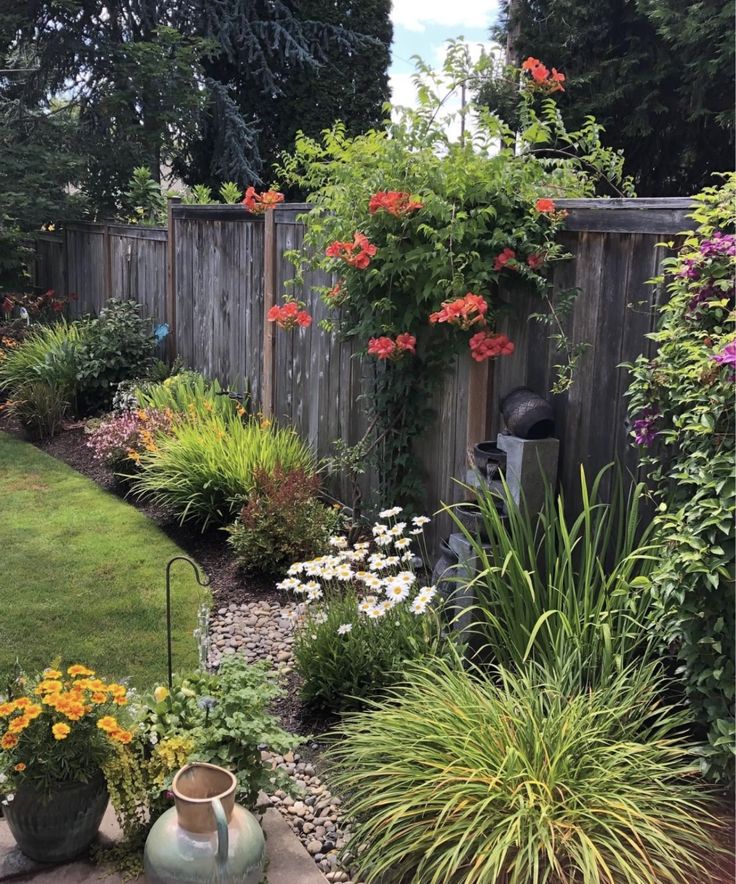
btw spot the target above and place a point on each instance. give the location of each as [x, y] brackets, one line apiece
[82, 575]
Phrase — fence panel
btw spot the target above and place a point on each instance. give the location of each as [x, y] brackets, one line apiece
[218, 293]
[226, 267]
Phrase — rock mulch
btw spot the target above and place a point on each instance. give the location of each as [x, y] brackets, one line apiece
[264, 630]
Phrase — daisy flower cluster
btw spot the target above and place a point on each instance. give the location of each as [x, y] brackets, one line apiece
[382, 572]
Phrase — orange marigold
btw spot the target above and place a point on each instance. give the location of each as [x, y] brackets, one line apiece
[9, 741]
[60, 731]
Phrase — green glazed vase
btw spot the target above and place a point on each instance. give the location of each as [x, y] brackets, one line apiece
[60, 827]
[205, 837]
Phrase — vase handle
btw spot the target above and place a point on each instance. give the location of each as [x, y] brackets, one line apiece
[223, 837]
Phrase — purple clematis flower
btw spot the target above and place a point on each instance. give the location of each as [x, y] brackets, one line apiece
[727, 355]
[643, 427]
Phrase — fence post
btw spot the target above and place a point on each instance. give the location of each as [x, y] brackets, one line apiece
[269, 299]
[107, 258]
[170, 308]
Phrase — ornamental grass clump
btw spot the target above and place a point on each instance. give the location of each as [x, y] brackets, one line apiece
[550, 586]
[364, 615]
[204, 470]
[457, 778]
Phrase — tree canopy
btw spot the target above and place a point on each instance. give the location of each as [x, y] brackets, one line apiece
[657, 74]
[214, 89]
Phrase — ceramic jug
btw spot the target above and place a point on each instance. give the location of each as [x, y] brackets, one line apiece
[206, 836]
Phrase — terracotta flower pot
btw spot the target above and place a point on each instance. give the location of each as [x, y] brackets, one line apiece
[60, 827]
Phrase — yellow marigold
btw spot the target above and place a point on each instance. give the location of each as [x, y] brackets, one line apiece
[19, 767]
[48, 686]
[108, 723]
[9, 741]
[6, 708]
[121, 736]
[21, 702]
[74, 711]
[77, 669]
[120, 701]
[33, 711]
[17, 725]
[51, 673]
[161, 693]
[96, 684]
[99, 697]
[117, 690]
[60, 731]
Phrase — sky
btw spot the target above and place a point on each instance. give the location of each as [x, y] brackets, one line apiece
[421, 27]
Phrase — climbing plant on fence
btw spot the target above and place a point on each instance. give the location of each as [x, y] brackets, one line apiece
[682, 406]
[422, 227]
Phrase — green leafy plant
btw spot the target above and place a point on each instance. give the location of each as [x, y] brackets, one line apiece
[218, 718]
[48, 353]
[204, 470]
[282, 521]
[682, 408]
[458, 778]
[144, 198]
[230, 193]
[117, 346]
[199, 195]
[189, 393]
[551, 588]
[412, 221]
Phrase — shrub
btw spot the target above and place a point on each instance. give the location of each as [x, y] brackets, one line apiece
[455, 778]
[119, 345]
[550, 586]
[282, 521]
[120, 440]
[682, 407]
[205, 470]
[188, 393]
[352, 644]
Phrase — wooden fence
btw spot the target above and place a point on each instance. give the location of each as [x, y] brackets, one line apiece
[216, 271]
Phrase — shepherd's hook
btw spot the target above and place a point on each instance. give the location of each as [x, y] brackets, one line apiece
[200, 580]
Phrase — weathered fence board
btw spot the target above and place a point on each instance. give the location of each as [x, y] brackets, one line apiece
[215, 278]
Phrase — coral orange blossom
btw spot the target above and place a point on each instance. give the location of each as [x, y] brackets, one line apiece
[289, 315]
[394, 202]
[357, 253]
[387, 348]
[257, 203]
[462, 312]
[542, 77]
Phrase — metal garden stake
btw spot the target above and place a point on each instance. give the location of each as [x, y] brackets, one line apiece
[202, 581]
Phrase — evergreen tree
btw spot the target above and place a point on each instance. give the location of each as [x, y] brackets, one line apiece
[345, 76]
[195, 83]
[658, 74]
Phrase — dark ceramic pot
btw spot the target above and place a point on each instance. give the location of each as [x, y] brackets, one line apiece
[527, 415]
[490, 460]
[59, 828]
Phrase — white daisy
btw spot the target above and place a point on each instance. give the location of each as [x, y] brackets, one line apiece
[377, 561]
[407, 557]
[314, 594]
[391, 561]
[379, 528]
[416, 531]
[374, 613]
[361, 547]
[419, 605]
[290, 583]
[386, 605]
[430, 591]
[373, 582]
[397, 591]
[311, 586]
[398, 529]
[343, 572]
[387, 514]
[344, 629]
[403, 543]
[338, 542]
[421, 520]
[383, 540]
[296, 568]
[407, 577]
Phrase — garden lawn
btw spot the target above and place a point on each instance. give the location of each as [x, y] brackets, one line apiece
[82, 575]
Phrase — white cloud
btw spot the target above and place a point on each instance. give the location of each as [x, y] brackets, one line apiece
[416, 15]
